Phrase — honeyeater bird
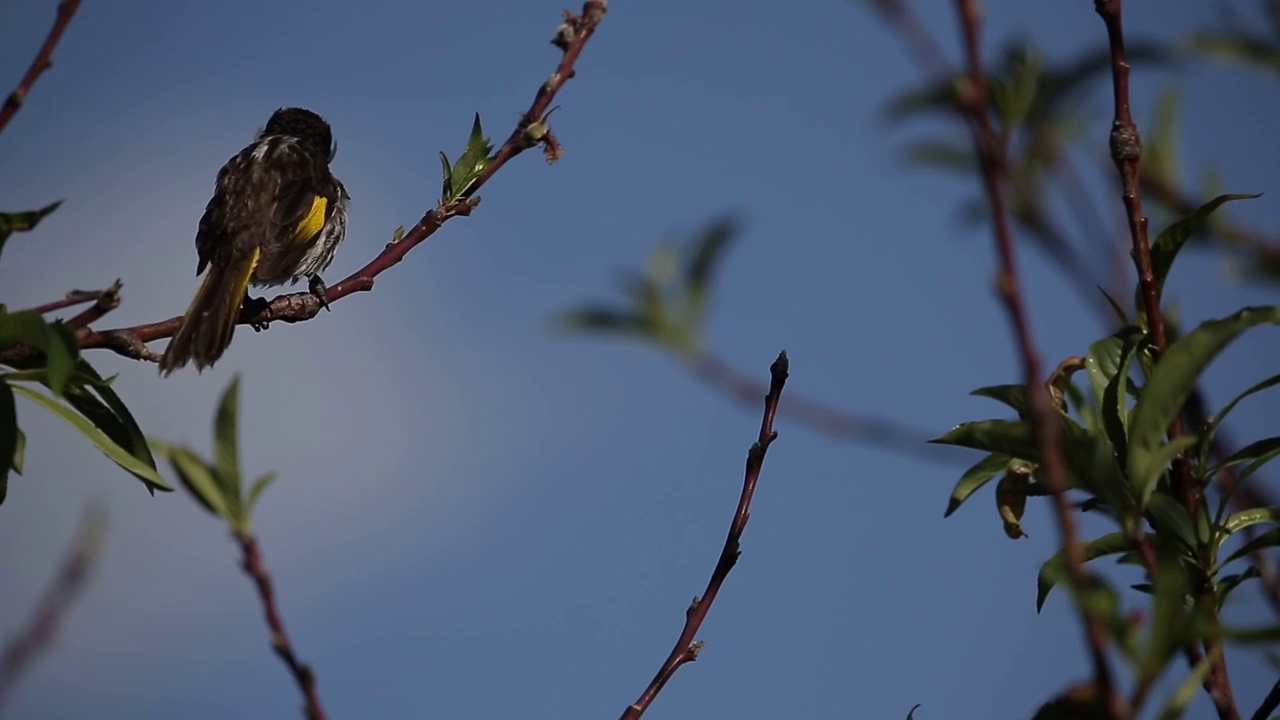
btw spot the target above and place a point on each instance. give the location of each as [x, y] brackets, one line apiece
[277, 215]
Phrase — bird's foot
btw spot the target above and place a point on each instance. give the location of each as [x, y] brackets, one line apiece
[318, 288]
[253, 307]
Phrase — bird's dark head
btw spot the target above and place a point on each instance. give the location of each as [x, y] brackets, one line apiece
[309, 128]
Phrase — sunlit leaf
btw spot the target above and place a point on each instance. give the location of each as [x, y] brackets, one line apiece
[1014, 439]
[196, 476]
[974, 478]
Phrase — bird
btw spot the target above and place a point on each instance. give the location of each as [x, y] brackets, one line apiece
[277, 215]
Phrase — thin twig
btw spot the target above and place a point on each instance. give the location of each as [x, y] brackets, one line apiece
[302, 675]
[530, 131]
[73, 575]
[109, 300]
[686, 648]
[42, 62]
[1126, 152]
[1045, 424]
[881, 432]
[1269, 703]
[73, 298]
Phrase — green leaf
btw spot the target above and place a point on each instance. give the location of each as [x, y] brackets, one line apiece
[1248, 518]
[1170, 624]
[1169, 242]
[1015, 396]
[226, 450]
[1260, 449]
[1171, 383]
[9, 434]
[1161, 459]
[1258, 52]
[1014, 439]
[1231, 582]
[55, 341]
[605, 320]
[196, 476]
[11, 222]
[124, 428]
[1257, 464]
[1054, 570]
[474, 159]
[446, 183]
[1168, 518]
[940, 154]
[1262, 541]
[1115, 396]
[1160, 149]
[256, 489]
[1178, 703]
[974, 478]
[101, 440]
[1216, 421]
[1121, 315]
[1021, 95]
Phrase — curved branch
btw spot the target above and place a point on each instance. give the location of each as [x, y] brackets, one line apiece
[42, 62]
[686, 648]
[530, 131]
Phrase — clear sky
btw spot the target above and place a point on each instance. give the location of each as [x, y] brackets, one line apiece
[475, 516]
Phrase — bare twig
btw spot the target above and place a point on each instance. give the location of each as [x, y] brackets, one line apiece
[53, 607]
[1269, 703]
[686, 648]
[42, 62]
[530, 131]
[881, 432]
[1045, 424]
[73, 298]
[302, 675]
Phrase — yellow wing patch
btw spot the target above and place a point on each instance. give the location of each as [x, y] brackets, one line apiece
[309, 226]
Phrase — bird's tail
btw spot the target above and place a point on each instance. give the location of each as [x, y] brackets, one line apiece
[211, 318]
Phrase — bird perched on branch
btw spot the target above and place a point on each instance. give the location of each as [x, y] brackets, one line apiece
[277, 215]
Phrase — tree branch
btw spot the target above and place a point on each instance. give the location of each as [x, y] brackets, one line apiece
[302, 675]
[42, 62]
[53, 607]
[530, 131]
[1126, 152]
[973, 94]
[686, 648]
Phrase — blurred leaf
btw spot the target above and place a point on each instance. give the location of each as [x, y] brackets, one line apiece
[974, 478]
[1054, 570]
[1160, 151]
[1121, 315]
[255, 490]
[1014, 104]
[1231, 582]
[1170, 623]
[196, 476]
[226, 450]
[1216, 421]
[1181, 699]
[1257, 464]
[1257, 52]
[942, 155]
[8, 437]
[1264, 449]
[1171, 383]
[12, 222]
[912, 713]
[708, 251]
[1170, 241]
[603, 319]
[101, 440]
[999, 436]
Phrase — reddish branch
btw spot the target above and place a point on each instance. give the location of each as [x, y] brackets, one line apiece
[686, 648]
[1126, 152]
[302, 675]
[994, 175]
[43, 61]
[104, 301]
[530, 131]
[70, 581]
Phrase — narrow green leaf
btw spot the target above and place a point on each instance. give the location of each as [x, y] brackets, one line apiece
[603, 319]
[226, 450]
[1115, 396]
[1268, 539]
[1231, 582]
[1169, 620]
[1169, 519]
[11, 222]
[705, 258]
[101, 440]
[1160, 460]
[1121, 315]
[1216, 421]
[1169, 242]
[1181, 699]
[56, 342]
[940, 154]
[1253, 451]
[1257, 464]
[1054, 570]
[446, 182]
[974, 478]
[196, 476]
[256, 489]
[9, 434]
[1172, 381]
[1025, 80]
[1015, 396]
[1014, 439]
[1248, 518]
[125, 431]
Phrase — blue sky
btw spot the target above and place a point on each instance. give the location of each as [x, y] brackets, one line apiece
[474, 514]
